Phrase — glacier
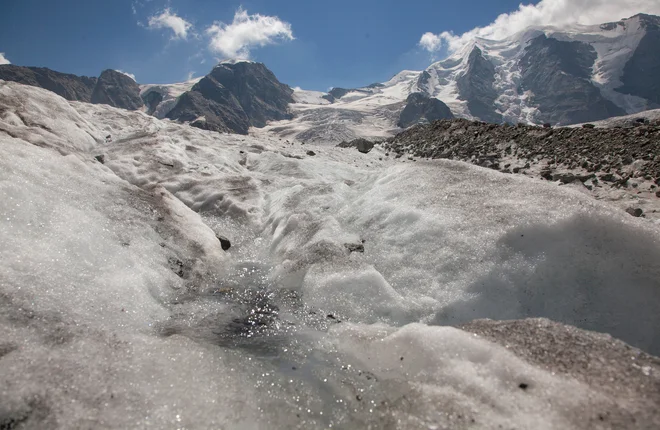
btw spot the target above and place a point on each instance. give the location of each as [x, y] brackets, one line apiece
[120, 309]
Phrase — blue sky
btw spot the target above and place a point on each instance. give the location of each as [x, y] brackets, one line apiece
[308, 43]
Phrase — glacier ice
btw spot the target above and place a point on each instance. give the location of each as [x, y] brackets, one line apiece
[119, 308]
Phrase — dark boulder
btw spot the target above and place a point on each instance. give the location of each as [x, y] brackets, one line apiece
[364, 145]
[224, 242]
[361, 144]
[354, 247]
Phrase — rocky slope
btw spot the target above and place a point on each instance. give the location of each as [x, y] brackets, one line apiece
[118, 90]
[610, 150]
[477, 87]
[111, 88]
[557, 73]
[620, 163]
[233, 97]
[71, 87]
[211, 106]
[642, 69]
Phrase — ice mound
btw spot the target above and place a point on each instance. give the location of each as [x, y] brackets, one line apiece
[120, 309]
[588, 270]
[446, 378]
[44, 120]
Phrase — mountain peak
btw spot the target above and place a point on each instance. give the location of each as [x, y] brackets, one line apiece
[235, 61]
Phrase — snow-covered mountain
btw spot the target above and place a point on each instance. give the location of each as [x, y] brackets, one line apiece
[344, 301]
[558, 75]
[568, 75]
[541, 75]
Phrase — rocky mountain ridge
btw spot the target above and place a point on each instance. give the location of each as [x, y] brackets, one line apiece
[111, 87]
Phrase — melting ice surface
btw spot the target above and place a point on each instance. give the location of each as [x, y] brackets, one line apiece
[119, 308]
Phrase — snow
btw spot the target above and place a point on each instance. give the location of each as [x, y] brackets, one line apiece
[120, 309]
[309, 97]
[370, 113]
[235, 61]
[170, 93]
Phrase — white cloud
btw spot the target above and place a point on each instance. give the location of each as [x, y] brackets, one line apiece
[549, 12]
[235, 40]
[190, 76]
[130, 75]
[170, 20]
[3, 59]
[430, 42]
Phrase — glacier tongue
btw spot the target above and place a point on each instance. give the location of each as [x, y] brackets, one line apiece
[120, 309]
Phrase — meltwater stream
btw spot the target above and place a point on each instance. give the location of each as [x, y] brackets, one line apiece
[273, 330]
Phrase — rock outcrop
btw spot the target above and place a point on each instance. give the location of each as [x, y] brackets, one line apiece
[558, 74]
[421, 108]
[640, 74]
[476, 87]
[233, 97]
[211, 106]
[116, 89]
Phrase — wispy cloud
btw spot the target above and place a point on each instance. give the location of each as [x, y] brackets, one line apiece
[170, 20]
[246, 32]
[546, 12]
[3, 59]
[130, 75]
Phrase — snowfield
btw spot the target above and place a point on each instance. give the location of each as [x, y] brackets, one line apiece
[120, 309]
